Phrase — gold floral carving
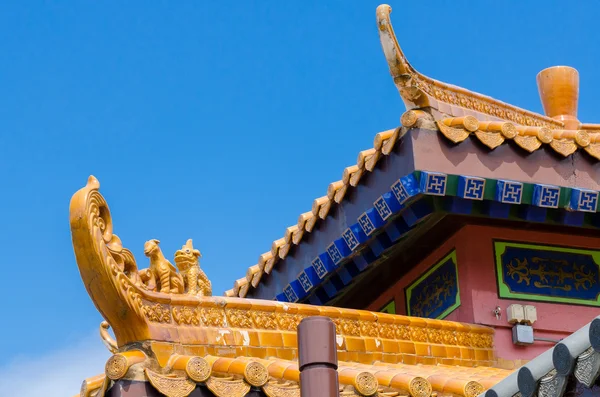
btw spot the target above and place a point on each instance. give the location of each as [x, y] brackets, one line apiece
[347, 327]
[528, 142]
[184, 315]
[275, 389]
[490, 139]
[418, 334]
[227, 388]
[256, 374]
[264, 320]
[368, 329]
[170, 386]
[420, 387]
[473, 389]
[463, 338]
[212, 316]
[448, 337]
[198, 369]
[366, 384]
[564, 146]
[435, 336]
[403, 332]
[388, 331]
[420, 91]
[288, 322]
[454, 134]
[157, 313]
[239, 318]
[116, 367]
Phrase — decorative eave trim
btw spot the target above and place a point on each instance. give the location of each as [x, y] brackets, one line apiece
[398, 211]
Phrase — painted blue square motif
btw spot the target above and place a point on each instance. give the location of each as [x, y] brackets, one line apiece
[584, 200]
[434, 183]
[546, 196]
[382, 208]
[319, 267]
[334, 253]
[350, 239]
[366, 224]
[509, 192]
[470, 187]
[290, 294]
[400, 191]
[305, 282]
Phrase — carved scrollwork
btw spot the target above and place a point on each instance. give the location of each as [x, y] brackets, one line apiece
[157, 313]
[170, 386]
[552, 385]
[108, 270]
[227, 387]
[277, 389]
[587, 368]
[186, 315]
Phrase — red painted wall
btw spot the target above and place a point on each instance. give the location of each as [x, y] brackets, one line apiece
[479, 290]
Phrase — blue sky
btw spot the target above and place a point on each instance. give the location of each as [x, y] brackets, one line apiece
[219, 123]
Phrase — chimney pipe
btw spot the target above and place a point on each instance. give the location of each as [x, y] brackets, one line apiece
[317, 357]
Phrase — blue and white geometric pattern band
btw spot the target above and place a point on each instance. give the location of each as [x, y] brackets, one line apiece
[584, 200]
[366, 224]
[290, 294]
[350, 239]
[334, 253]
[382, 208]
[434, 183]
[305, 282]
[471, 187]
[319, 267]
[546, 196]
[509, 192]
[400, 191]
[405, 187]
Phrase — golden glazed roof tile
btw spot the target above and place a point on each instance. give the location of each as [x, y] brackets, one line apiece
[278, 376]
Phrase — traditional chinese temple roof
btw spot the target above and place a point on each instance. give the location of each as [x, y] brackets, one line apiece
[179, 341]
[456, 152]
[467, 153]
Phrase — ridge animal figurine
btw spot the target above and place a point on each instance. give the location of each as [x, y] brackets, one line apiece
[161, 272]
[187, 260]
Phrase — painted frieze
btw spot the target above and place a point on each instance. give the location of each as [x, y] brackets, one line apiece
[547, 273]
[436, 293]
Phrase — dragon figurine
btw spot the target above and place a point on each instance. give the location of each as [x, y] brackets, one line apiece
[187, 260]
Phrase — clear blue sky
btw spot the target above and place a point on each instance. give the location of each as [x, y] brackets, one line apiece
[222, 122]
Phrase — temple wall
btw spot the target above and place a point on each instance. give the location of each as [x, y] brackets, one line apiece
[479, 290]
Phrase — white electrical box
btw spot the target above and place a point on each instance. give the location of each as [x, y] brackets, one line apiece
[515, 314]
[530, 314]
[522, 334]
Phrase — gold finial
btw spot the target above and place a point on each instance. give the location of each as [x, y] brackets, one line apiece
[559, 91]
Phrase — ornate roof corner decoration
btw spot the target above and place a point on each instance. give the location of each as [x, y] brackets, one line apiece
[175, 339]
[558, 88]
[419, 91]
